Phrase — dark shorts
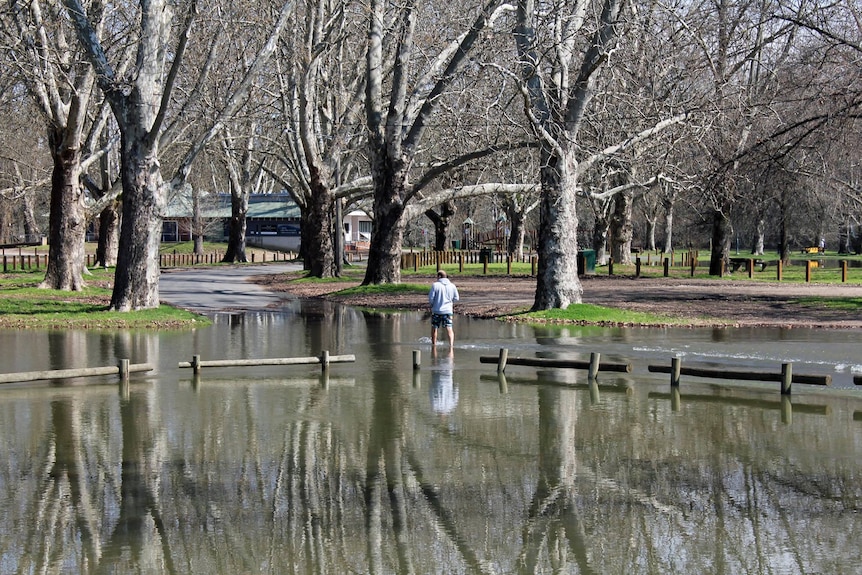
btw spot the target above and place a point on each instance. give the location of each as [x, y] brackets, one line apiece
[441, 320]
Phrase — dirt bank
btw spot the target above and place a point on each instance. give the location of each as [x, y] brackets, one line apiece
[705, 302]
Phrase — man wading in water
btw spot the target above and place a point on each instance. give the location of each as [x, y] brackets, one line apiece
[441, 297]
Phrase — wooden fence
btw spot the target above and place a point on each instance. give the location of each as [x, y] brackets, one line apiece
[37, 260]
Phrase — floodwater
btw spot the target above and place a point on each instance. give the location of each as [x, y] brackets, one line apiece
[379, 468]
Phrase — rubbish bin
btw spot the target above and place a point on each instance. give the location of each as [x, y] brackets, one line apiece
[485, 256]
[456, 244]
[586, 262]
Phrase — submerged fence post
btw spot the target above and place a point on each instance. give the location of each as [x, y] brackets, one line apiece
[594, 365]
[324, 361]
[786, 378]
[675, 367]
[196, 364]
[417, 358]
[501, 362]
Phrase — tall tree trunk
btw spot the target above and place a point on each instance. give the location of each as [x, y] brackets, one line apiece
[722, 233]
[67, 226]
[651, 227]
[516, 234]
[387, 237]
[557, 283]
[599, 240]
[622, 229]
[28, 219]
[197, 223]
[236, 245]
[321, 227]
[441, 223]
[109, 230]
[667, 242]
[844, 234]
[136, 280]
[759, 233]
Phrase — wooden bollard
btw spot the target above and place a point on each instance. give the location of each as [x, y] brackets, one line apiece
[666, 267]
[750, 268]
[675, 368]
[123, 366]
[594, 365]
[779, 265]
[501, 361]
[843, 271]
[509, 264]
[611, 266]
[324, 361]
[786, 378]
[417, 359]
[534, 262]
[638, 267]
[196, 364]
[808, 266]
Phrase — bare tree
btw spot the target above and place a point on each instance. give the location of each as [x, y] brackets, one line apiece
[397, 121]
[140, 101]
[60, 84]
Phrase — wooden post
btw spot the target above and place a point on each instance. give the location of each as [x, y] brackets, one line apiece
[123, 366]
[509, 264]
[417, 358]
[750, 268]
[693, 263]
[778, 269]
[324, 361]
[501, 361]
[534, 262]
[437, 258]
[485, 265]
[594, 365]
[610, 266]
[675, 366]
[415, 262]
[675, 399]
[808, 271]
[666, 267]
[196, 364]
[843, 271]
[638, 267]
[461, 263]
[786, 378]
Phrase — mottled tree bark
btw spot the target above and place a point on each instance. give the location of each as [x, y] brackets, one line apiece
[67, 225]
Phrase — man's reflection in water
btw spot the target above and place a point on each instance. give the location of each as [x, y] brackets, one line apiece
[444, 394]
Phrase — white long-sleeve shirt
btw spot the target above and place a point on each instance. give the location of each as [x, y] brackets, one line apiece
[442, 295]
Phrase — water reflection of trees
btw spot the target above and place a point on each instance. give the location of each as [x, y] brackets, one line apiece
[293, 476]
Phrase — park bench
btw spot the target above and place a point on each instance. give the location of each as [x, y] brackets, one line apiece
[812, 250]
[736, 263]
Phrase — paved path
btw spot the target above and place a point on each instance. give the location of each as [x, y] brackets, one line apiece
[212, 289]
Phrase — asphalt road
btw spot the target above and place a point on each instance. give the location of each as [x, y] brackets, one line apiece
[211, 289]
